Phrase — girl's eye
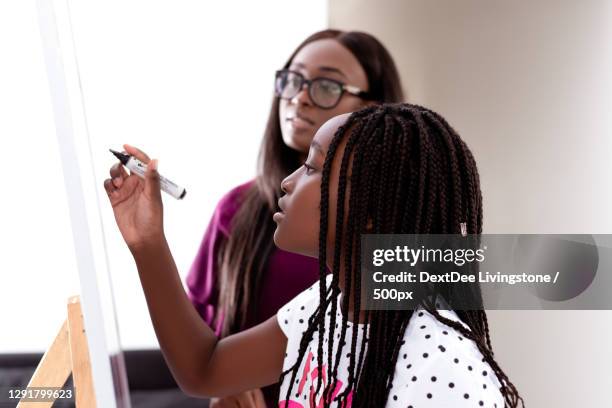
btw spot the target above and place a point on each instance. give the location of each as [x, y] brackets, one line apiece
[309, 169]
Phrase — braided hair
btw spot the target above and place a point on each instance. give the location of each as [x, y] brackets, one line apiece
[411, 174]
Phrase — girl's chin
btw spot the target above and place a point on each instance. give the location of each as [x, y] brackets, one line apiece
[281, 243]
[277, 239]
[290, 245]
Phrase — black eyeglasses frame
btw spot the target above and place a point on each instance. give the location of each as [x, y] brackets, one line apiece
[353, 90]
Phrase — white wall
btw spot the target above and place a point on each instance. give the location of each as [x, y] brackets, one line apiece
[528, 85]
[189, 82]
[37, 261]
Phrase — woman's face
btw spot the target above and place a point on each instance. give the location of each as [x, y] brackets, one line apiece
[299, 117]
[297, 227]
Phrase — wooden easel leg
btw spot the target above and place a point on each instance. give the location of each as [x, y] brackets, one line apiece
[68, 353]
[81, 364]
[53, 369]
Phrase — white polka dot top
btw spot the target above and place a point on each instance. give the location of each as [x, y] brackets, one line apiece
[436, 367]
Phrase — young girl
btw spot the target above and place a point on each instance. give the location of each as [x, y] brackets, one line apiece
[387, 169]
[239, 278]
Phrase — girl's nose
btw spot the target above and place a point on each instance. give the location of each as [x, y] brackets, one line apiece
[285, 185]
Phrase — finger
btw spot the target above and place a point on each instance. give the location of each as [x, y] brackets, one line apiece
[124, 173]
[219, 403]
[137, 153]
[252, 398]
[151, 187]
[118, 174]
[258, 397]
[245, 400]
[117, 182]
[227, 402]
[115, 170]
[110, 188]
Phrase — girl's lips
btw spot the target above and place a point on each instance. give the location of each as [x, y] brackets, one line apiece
[278, 216]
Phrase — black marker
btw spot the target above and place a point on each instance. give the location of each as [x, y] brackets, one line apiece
[138, 167]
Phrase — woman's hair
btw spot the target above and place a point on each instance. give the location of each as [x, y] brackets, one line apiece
[411, 174]
[243, 256]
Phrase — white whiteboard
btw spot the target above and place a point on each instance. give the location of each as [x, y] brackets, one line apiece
[110, 382]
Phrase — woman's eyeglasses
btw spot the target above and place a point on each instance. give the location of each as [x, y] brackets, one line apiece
[324, 92]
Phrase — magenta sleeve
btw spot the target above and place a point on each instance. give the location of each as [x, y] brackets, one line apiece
[203, 276]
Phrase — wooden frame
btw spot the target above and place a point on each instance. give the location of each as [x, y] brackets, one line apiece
[67, 354]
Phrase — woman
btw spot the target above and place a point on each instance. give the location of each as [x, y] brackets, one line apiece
[239, 278]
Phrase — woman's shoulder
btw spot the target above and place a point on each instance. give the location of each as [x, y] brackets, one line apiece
[229, 204]
[234, 195]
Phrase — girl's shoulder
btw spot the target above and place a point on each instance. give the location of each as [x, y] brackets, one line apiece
[438, 365]
[294, 315]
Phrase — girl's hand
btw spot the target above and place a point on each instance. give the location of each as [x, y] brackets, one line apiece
[136, 203]
[248, 399]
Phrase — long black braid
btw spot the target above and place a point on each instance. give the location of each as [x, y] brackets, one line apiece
[410, 174]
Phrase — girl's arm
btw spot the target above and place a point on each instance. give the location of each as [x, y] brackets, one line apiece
[201, 364]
